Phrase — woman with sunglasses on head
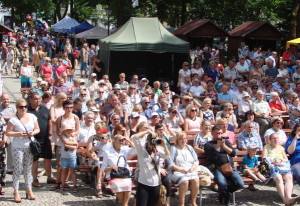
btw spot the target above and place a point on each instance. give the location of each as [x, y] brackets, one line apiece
[192, 122]
[113, 159]
[185, 71]
[150, 157]
[70, 119]
[96, 146]
[277, 124]
[22, 127]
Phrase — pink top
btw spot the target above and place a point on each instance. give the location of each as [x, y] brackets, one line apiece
[60, 70]
[194, 125]
[231, 136]
[47, 70]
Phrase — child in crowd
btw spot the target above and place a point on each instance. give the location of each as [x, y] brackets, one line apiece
[250, 165]
[68, 155]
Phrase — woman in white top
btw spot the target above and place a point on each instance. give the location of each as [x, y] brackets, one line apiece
[197, 69]
[184, 164]
[26, 74]
[148, 160]
[185, 71]
[277, 124]
[185, 85]
[22, 127]
[113, 159]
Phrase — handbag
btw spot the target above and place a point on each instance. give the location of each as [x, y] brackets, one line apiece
[122, 172]
[162, 197]
[226, 168]
[284, 169]
[35, 146]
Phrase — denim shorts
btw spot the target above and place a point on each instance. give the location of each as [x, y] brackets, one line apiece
[84, 66]
[68, 163]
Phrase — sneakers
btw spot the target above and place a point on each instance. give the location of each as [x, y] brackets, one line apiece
[267, 181]
[36, 183]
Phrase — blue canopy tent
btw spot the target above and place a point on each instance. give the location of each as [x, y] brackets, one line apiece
[65, 24]
[80, 28]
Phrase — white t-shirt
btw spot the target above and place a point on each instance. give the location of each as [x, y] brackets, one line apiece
[184, 73]
[281, 134]
[196, 90]
[22, 142]
[199, 71]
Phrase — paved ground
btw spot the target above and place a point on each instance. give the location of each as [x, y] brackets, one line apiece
[266, 195]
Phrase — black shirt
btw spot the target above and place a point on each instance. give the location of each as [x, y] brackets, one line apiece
[99, 74]
[218, 157]
[43, 116]
[78, 113]
[71, 56]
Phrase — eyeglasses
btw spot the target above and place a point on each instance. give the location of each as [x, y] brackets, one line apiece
[22, 107]
[186, 65]
[147, 102]
[101, 92]
[82, 94]
[131, 88]
[116, 119]
[174, 112]
[68, 107]
[255, 88]
[278, 123]
[194, 110]
[166, 87]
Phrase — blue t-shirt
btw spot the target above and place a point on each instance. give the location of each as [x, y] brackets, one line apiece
[250, 162]
[295, 157]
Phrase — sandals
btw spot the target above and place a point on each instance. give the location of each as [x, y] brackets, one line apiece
[56, 187]
[67, 185]
[99, 191]
[75, 189]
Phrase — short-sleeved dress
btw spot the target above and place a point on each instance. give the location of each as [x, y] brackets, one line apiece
[26, 82]
[183, 158]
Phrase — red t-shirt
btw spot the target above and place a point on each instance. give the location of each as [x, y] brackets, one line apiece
[276, 106]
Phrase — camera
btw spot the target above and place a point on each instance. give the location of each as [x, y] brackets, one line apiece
[156, 141]
[225, 137]
[66, 149]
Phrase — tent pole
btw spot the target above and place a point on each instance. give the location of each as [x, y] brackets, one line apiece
[108, 61]
[172, 59]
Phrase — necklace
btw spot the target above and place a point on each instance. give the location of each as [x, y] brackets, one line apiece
[184, 154]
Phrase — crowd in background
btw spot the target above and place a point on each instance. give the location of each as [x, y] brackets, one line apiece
[148, 118]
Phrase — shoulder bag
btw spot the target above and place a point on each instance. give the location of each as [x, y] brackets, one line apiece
[162, 199]
[226, 168]
[35, 146]
[122, 172]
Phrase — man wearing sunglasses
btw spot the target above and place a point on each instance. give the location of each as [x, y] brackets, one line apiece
[43, 137]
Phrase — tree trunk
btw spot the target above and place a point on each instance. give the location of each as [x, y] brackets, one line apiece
[298, 23]
[12, 18]
[293, 24]
[72, 8]
[183, 12]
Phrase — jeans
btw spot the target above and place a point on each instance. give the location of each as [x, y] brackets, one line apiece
[296, 172]
[235, 179]
[146, 195]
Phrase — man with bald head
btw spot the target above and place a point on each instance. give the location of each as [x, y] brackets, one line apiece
[7, 111]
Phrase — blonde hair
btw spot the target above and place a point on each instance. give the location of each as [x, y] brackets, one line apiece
[189, 108]
[60, 96]
[140, 125]
[179, 136]
[105, 76]
[137, 108]
[100, 125]
[223, 120]
[207, 100]
[122, 75]
[20, 101]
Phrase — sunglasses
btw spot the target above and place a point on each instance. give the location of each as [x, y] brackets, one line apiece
[68, 107]
[82, 94]
[174, 112]
[278, 123]
[100, 92]
[194, 110]
[186, 65]
[255, 88]
[131, 88]
[147, 102]
[116, 119]
[22, 107]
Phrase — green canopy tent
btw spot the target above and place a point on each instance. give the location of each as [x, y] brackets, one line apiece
[145, 47]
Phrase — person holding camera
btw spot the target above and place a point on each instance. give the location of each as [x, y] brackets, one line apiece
[184, 164]
[117, 169]
[149, 158]
[220, 152]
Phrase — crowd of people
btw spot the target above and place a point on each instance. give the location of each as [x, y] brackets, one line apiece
[148, 118]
